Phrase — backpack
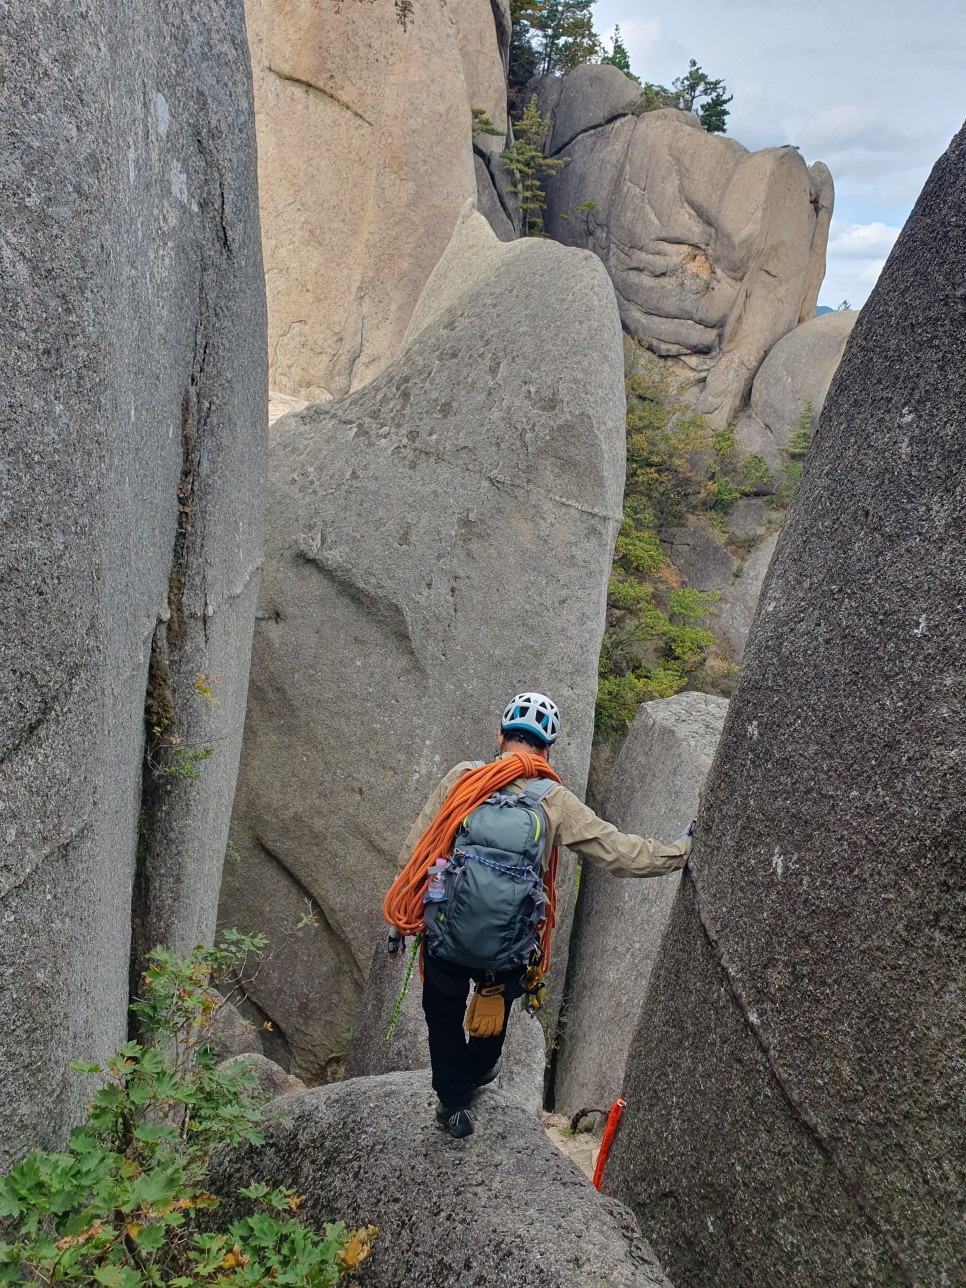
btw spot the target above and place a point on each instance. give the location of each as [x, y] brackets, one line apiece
[495, 899]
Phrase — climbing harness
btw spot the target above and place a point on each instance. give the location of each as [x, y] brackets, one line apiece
[405, 903]
[405, 986]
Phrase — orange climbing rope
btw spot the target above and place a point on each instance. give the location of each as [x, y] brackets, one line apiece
[403, 905]
[613, 1118]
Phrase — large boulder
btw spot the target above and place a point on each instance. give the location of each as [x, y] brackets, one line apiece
[795, 1100]
[362, 174]
[798, 371]
[504, 1207]
[619, 924]
[134, 390]
[715, 252]
[592, 95]
[436, 540]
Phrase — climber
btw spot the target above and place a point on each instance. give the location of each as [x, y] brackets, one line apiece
[476, 880]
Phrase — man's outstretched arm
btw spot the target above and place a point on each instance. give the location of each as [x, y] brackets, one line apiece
[601, 843]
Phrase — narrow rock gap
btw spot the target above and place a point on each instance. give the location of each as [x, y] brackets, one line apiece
[161, 716]
[494, 185]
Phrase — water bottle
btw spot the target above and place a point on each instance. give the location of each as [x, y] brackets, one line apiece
[436, 890]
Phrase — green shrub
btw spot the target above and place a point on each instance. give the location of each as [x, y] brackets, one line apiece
[799, 441]
[125, 1203]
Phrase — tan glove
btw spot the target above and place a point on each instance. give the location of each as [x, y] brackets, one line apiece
[486, 1013]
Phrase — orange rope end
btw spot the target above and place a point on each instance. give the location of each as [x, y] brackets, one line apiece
[613, 1118]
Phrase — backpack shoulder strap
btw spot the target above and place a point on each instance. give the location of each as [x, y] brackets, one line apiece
[536, 789]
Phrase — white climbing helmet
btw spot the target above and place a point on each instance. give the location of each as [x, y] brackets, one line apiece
[535, 713]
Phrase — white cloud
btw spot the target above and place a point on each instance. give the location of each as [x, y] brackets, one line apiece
[856, 254]
[862, 240]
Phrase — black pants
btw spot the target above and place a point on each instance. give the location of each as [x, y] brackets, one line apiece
[458, 1062]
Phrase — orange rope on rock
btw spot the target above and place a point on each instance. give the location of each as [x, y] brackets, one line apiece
[403, 905]
[613, 1118]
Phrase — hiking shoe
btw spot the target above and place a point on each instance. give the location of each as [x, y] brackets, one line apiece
[456, 1121]
[490, 1076]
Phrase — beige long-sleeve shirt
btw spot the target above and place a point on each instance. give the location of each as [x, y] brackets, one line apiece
[572, 823]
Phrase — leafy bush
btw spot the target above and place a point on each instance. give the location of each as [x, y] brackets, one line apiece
[125, 1203]
[657, 640]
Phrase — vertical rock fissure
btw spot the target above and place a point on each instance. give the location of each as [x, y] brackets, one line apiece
[160, 760]
[504, 205]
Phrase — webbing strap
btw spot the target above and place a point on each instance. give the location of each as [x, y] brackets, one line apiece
[536, 790]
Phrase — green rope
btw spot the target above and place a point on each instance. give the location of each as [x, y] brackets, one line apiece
[405, 985]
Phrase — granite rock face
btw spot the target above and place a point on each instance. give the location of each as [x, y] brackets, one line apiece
[365, 161]
[483, 39]
[503, 1208]
[436, 540]
[715, 252]
[131, 483]
[493, 200]
[619, 923]
[796, 1099]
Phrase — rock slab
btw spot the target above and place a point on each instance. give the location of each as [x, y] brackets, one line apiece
[365, 160]
[502, 1208]
[619, 923]
[437, 540]
[133, 402]
[796, 1089]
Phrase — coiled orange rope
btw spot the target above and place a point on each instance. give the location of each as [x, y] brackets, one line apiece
[403, 905]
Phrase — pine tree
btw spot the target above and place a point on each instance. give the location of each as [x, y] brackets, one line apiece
[619, 56]
[696, 84]
[522, 63]
[524, 158]
[550, 37]
[565, 35]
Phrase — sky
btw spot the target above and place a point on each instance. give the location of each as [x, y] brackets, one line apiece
[874, 88]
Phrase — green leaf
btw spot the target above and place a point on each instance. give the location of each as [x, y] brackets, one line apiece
[118, 1277]
[157, 1186]
[257, 1190]
[151, 1237]
[84, 1066]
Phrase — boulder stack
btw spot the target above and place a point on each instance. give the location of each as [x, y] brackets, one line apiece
[715, 252]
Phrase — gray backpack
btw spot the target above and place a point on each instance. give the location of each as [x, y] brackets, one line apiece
[494, 884]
